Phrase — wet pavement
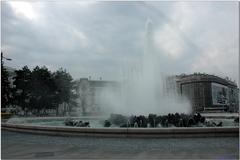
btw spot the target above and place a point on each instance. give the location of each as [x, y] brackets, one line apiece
[22, 146]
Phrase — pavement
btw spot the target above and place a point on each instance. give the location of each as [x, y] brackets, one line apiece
[32, 146]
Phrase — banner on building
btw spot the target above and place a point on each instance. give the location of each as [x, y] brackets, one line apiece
[220, 94]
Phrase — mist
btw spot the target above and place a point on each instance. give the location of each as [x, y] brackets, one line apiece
[145, 87]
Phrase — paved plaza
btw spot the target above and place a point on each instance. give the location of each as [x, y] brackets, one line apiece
[23, 146]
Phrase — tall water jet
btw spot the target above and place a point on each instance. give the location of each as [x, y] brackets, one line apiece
[145, 91]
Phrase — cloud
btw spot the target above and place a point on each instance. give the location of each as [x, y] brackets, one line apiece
[169, 41]
[24, 9]
[100, 38]
[218, 41]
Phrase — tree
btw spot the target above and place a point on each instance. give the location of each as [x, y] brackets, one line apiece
[43, 89]
[22, 88]
[40, 90]
[64, 89]
[5, 87]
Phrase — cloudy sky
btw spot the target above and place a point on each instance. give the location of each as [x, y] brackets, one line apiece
[98, 39]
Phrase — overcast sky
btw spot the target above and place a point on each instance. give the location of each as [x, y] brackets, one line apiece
[97, 39]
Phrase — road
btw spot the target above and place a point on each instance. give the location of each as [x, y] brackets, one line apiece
[21, 146]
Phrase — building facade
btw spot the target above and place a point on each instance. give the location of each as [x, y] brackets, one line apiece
[205, 92]
[90, 92]
[209, 92]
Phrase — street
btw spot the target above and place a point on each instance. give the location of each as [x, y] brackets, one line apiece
[21, 146]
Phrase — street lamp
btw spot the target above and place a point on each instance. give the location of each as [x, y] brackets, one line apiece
[2, 57]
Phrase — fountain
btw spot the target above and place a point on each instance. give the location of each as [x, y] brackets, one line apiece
[145, 90]
[139, 95]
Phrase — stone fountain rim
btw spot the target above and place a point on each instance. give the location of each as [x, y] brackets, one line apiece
[124, 132]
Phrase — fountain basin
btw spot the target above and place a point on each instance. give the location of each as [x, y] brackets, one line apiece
[121, 132]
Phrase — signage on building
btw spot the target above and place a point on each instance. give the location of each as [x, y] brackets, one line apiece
[220, 94]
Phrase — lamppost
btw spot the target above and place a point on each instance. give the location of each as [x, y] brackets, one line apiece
[2, 57]
[8, 59]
